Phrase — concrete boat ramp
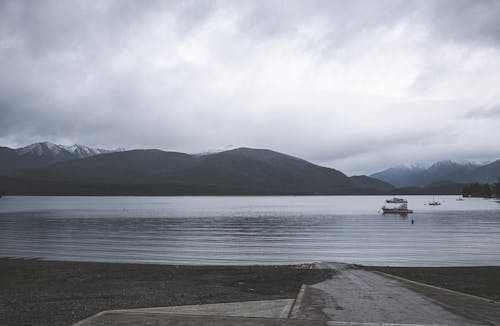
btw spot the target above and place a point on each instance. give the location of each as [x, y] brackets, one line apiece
[351, 297]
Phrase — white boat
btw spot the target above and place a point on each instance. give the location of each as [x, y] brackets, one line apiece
[396, 200]
[434, 202]
[400, 209]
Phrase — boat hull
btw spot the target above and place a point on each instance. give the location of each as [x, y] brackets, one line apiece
[396, 201]
[396, 211]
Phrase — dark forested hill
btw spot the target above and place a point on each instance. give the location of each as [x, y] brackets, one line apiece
[155, 172]
[444, 171]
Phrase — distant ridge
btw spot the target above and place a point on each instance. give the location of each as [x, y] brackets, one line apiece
[242, 171]
[443, 171]
[45, 153]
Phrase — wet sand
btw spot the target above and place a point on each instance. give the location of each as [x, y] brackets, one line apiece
[34, 292]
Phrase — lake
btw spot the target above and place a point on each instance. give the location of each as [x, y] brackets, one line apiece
[251, 230]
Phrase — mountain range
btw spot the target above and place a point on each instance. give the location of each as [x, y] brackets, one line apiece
[51, 169]
[47, 168]
[440, 172]
[45, 153]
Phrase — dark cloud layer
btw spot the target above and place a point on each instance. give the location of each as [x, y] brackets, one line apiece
[358, 85]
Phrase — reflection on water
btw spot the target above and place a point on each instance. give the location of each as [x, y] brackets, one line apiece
[250, 230]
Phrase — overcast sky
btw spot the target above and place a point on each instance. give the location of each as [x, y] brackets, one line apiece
[354, 85]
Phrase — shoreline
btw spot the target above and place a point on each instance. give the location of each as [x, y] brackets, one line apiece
[44, 292]
[243, 195]
[157, 263]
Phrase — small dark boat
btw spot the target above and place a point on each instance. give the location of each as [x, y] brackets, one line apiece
[396, 200]
[400, 209]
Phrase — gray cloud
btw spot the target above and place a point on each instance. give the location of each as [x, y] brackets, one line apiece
[471, 22]
[357, 85]
[489, 111]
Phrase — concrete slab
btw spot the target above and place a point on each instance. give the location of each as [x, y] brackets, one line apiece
[480, 309]
[263, 309]
[274, 309]
[358, 296]
[154, 319]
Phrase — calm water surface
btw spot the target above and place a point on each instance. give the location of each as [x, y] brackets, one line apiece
[251, 230]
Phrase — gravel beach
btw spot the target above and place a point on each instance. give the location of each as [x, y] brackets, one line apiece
[35, 292]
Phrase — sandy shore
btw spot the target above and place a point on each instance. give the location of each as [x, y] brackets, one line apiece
[34, 292]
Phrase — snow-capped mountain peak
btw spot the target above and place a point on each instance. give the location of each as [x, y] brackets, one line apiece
[48, 149]
[446, 170]
[216, 150]
[40, 149]
[85, 151]
[454, 164]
